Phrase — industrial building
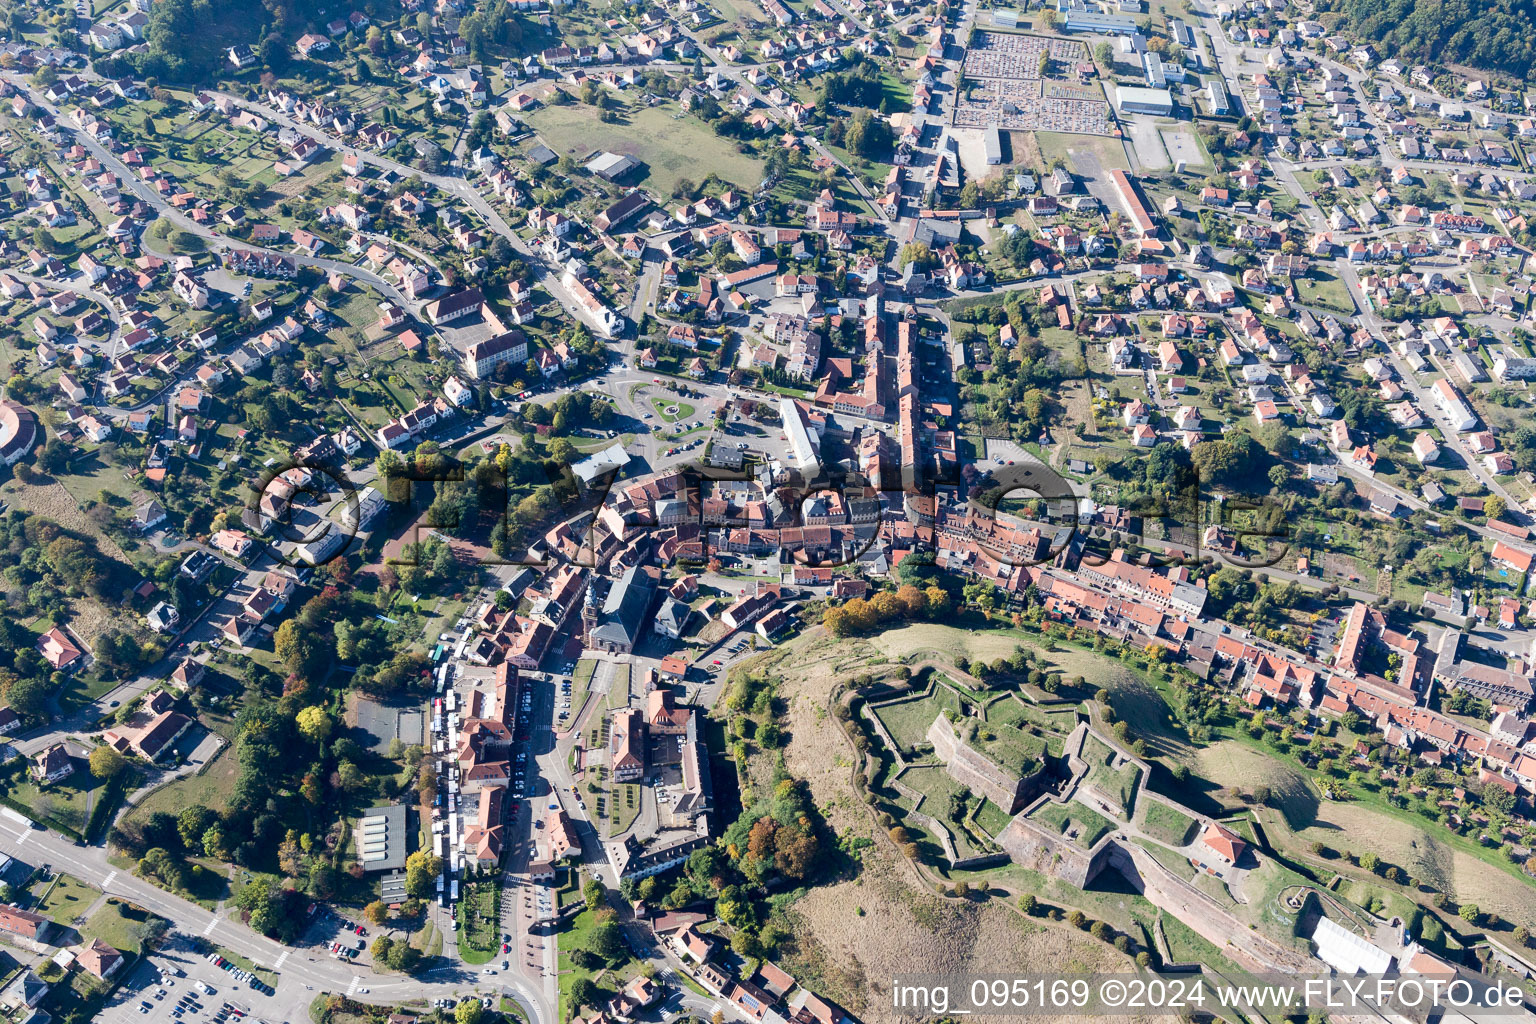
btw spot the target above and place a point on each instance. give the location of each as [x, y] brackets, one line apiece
[1131, 100]
[1216, 92]
[994, 146]
[381, 838]
[1098, 24]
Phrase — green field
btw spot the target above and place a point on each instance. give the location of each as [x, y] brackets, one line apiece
[908, 720]
[1119, 784]
[120, 925]
[1321, 288]
[577, 935]
[671, 147]
[210, 787]
[1090, 826]
[1185, 946]
[664, 409]
[992, 818]
[67, 898]
[1164, 823]
[624, 808]
[65, 803]
[1047, 727]
[1109, 152]
[581, 679]
[936, 785]
[1010, 746]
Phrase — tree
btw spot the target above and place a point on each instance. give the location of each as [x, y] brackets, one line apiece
[606, 941]
[403, 957]
[314, 722]
[592, 892]
[376, 912]
[1494, 507]
[421, 871]
[106, 762]
[192, 822]
[583, 993]
[869, 136]
[747, 944]
[1469, 913]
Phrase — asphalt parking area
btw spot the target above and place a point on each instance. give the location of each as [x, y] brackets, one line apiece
[180, 985]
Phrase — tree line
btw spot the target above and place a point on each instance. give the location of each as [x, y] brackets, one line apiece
[1491, 34]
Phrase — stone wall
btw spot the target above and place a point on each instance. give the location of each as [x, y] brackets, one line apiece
[981, 774]
[1204, 915]
[1040, 849]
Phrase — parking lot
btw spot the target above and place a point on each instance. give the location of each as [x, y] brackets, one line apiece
[182, 984]
[336, 936]
[1150, 154]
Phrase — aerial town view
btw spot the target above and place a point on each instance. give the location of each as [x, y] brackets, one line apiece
[714, 511]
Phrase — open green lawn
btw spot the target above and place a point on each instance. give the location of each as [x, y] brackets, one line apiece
[670, 411]
[1018, 751]
[1186, 946]
[623, 808]
[1322, 288]
[578, 935]
[671, 146]
[429, 940]
[1119, 784]
[1038, 726]
[1164, 823]
[120, 925]
[581, 679]
[67, 898]
[801, 184]
[1110, 152]
[67, 802]
[992, 818]
[1090, 826]
[82, 688]
[908, 720]
[211, 787]
[936, 786]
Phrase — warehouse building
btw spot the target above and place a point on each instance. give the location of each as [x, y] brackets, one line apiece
[1129, 100]
[381, 838]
